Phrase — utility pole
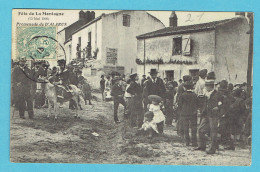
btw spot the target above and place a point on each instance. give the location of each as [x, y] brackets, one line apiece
[250, 16]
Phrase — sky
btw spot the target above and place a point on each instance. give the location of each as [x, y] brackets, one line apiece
[184, 17]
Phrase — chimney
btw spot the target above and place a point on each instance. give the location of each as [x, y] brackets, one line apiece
[81, 15]
[87, 16]
[92, 13]
[173, 20]
[240, 14]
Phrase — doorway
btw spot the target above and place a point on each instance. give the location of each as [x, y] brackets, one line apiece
[169, 75]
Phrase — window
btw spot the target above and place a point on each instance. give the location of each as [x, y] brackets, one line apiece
[79, 40]
[126, 20]
[69, 52]
[89, 37]
[181, 45]
[79, 48]
[177, 46]
[89, 45]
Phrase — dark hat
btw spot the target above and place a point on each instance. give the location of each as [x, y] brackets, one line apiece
[133, 76]
[223, 85]
[237, 92]
[188, 84]
[211, 76]
[155, 98]
[153, 71]
[203, 73]
[37, 62]
[187, 78]
[61, 61]
[210, 79]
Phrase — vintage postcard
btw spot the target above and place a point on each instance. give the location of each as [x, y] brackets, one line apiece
[131, 87]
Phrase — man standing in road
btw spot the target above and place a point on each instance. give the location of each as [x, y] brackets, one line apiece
[155, 85]
[210, 115]
[118, 97]
[22, 82]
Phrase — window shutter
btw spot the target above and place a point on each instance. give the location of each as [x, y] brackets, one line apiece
[186, 45]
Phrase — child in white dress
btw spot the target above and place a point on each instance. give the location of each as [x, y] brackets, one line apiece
[156, 121]
[148, 124]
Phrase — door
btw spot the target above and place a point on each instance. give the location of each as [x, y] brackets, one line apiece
[170, 75]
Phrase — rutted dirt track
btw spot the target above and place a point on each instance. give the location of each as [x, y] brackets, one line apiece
[70, 140]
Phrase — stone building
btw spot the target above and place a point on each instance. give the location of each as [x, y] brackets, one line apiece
[175, 51]
[111, 40]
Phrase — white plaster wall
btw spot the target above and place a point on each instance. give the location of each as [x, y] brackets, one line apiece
[115, 35]
[202, 51]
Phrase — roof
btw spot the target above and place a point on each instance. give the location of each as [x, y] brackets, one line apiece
[187, 29]
[89, 23]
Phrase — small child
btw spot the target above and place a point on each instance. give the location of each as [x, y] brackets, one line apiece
[148, 124]
[155, 107]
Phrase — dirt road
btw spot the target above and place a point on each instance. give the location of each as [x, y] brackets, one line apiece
[94, 138]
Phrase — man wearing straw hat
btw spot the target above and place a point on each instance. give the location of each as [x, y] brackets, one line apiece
[209, 115]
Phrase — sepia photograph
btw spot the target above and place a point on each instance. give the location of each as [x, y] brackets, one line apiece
[131, 87]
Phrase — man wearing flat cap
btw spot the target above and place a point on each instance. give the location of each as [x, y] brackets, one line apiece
[188, 106]
[180, 90]
[118, 96]
[210, 115]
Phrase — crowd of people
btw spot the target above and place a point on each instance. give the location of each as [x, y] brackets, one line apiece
[28, 84]
[218, 111]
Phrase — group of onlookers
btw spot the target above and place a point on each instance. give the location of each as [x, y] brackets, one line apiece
[218, 112]
[28, 87]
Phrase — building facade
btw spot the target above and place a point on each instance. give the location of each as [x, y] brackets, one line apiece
[175, 51]
[111, 40]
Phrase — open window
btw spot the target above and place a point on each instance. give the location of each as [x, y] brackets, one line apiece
[176, 49]
[181, 45]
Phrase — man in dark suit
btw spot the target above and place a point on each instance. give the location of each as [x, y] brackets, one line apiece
[181, 90]
[155, 85]
[118, 97]
[22, 81]
[188, 106]
[210, 115]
